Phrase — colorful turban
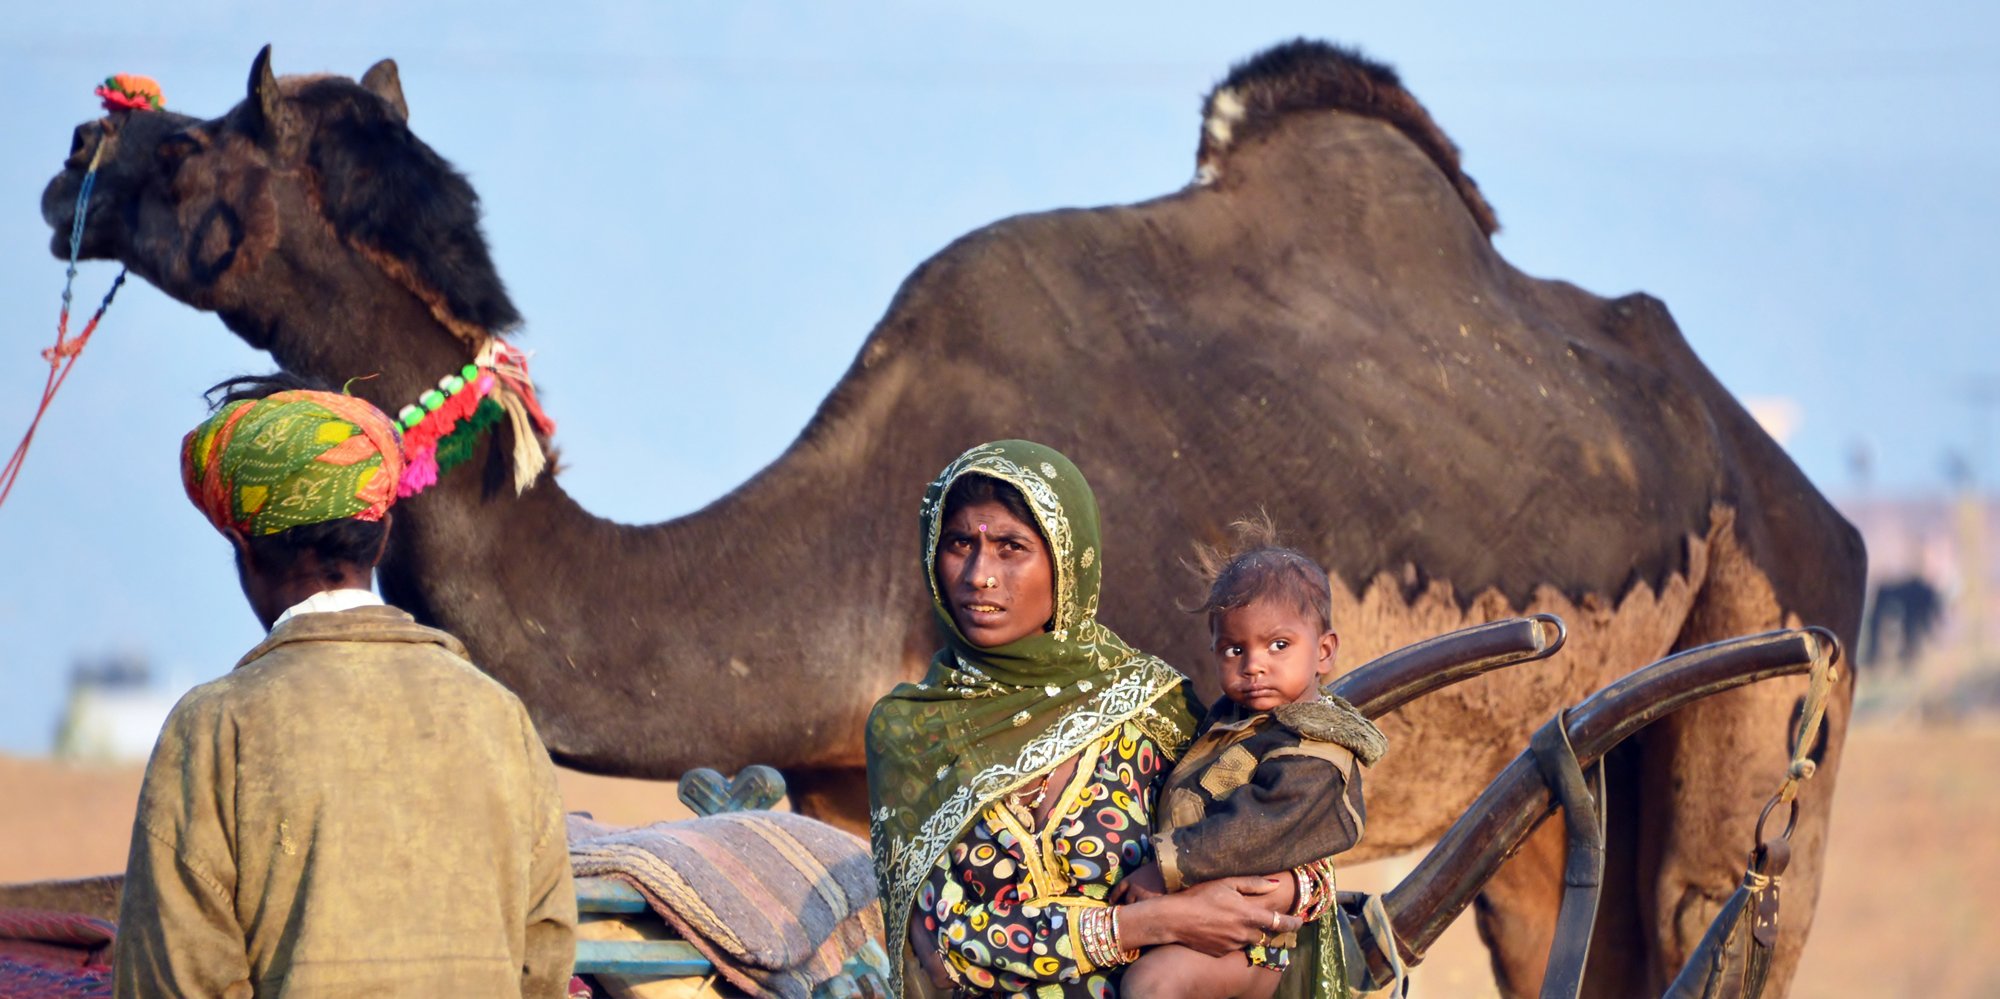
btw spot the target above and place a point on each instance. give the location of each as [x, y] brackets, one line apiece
[293, 458]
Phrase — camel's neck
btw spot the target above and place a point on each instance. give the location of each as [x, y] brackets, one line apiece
[343, 319]
[620, 638]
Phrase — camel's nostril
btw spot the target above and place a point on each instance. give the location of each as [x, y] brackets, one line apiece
[83, 142]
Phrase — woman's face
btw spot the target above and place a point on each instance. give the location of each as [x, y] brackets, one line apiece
[995, 574]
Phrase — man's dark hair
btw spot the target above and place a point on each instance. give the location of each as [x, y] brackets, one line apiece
[1260, 568]
[334, 542]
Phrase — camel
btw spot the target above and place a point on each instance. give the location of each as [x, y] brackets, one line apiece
[1318, 326]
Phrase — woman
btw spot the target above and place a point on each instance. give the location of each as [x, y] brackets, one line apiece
[1013, 787]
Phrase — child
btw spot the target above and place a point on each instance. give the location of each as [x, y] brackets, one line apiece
[1272, 779]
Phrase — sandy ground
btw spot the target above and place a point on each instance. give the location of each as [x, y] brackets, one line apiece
[1911, 904]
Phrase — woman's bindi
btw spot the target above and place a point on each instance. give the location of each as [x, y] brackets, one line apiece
[982, 528]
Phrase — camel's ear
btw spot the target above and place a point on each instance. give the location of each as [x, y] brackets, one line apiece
[266, 106]
[383, 81]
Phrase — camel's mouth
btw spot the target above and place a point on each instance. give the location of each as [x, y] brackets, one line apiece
[59, 208]
[59, 211]
[128, 140]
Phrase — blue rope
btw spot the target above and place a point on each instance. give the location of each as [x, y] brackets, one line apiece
[76, 241]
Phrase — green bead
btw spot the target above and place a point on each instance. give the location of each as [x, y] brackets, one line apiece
[450, 384]
[431, 400]
[410, 417]
[469, 372]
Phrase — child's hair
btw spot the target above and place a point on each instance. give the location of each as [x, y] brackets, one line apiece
[1259, 568]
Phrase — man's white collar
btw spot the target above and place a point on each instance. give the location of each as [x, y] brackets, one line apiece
[328, 602]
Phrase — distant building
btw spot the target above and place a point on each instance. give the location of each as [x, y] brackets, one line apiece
[113, 713]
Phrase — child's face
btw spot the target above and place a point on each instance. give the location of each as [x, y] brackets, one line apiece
[1271, 653]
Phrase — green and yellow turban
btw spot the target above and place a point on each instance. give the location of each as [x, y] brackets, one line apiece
[292, 458]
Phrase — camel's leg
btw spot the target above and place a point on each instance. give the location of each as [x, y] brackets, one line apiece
[1708, 775]
[1708, 770]
[1617, 966]
[837, 796]
[1516, 911]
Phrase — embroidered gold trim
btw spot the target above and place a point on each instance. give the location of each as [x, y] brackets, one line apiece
[1169, 857]
[1229, 773]
[1184, 808]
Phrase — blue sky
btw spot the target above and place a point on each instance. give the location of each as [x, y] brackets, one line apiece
[702, 209]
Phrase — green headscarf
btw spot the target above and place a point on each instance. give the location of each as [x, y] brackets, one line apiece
[986, 721]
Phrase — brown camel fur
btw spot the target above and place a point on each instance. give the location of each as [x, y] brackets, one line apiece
[1320, 327]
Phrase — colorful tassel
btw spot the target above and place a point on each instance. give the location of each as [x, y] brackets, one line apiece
[456, 448]
[441, 430]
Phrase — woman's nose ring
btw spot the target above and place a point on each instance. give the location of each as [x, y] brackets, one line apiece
[989, 582]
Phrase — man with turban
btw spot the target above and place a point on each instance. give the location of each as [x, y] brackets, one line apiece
[355, 809]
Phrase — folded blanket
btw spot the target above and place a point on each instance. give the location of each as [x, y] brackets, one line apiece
[777, 901]
[54, 955]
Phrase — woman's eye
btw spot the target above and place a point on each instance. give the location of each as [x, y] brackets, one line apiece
[1280, 645]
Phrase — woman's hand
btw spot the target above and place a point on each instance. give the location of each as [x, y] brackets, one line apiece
[1214, 917]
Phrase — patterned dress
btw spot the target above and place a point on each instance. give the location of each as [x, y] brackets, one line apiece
[1001, 902]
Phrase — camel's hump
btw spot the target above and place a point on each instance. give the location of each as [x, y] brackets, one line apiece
[1304, 75]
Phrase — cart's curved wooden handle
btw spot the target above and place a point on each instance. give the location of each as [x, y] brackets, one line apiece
[1517, 801]
[1392, 680]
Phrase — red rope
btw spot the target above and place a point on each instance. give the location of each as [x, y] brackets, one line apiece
[62, 357]
[122, 94]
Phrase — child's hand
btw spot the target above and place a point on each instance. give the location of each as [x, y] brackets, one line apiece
[1140, 885]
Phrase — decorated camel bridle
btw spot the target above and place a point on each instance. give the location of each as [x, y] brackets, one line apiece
[442, 427]
[439, 430]
[123, 92]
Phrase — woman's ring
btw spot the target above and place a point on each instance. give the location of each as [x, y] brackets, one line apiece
[1274, 922]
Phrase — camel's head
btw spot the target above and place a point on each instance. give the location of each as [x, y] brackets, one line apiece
[305, 199]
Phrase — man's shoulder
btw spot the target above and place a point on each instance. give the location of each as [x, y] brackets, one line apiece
[381, 640]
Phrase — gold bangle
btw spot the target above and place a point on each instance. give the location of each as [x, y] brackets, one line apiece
[1118, 940]
[1092, 928]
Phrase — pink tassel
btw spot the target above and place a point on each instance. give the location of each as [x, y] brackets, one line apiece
[420, 472]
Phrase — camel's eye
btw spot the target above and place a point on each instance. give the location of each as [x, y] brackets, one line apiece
[175, 149]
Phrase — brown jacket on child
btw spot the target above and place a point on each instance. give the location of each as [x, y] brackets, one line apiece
[1258, 792]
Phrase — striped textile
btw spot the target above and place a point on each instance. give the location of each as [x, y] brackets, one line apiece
[778, 902]
[33, 980]
[54, 955]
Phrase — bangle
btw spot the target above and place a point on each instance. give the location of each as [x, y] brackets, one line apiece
[1118, 940]
[1098, 930]
[1316, 890]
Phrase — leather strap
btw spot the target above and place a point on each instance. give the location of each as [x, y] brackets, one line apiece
[1583, 866]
